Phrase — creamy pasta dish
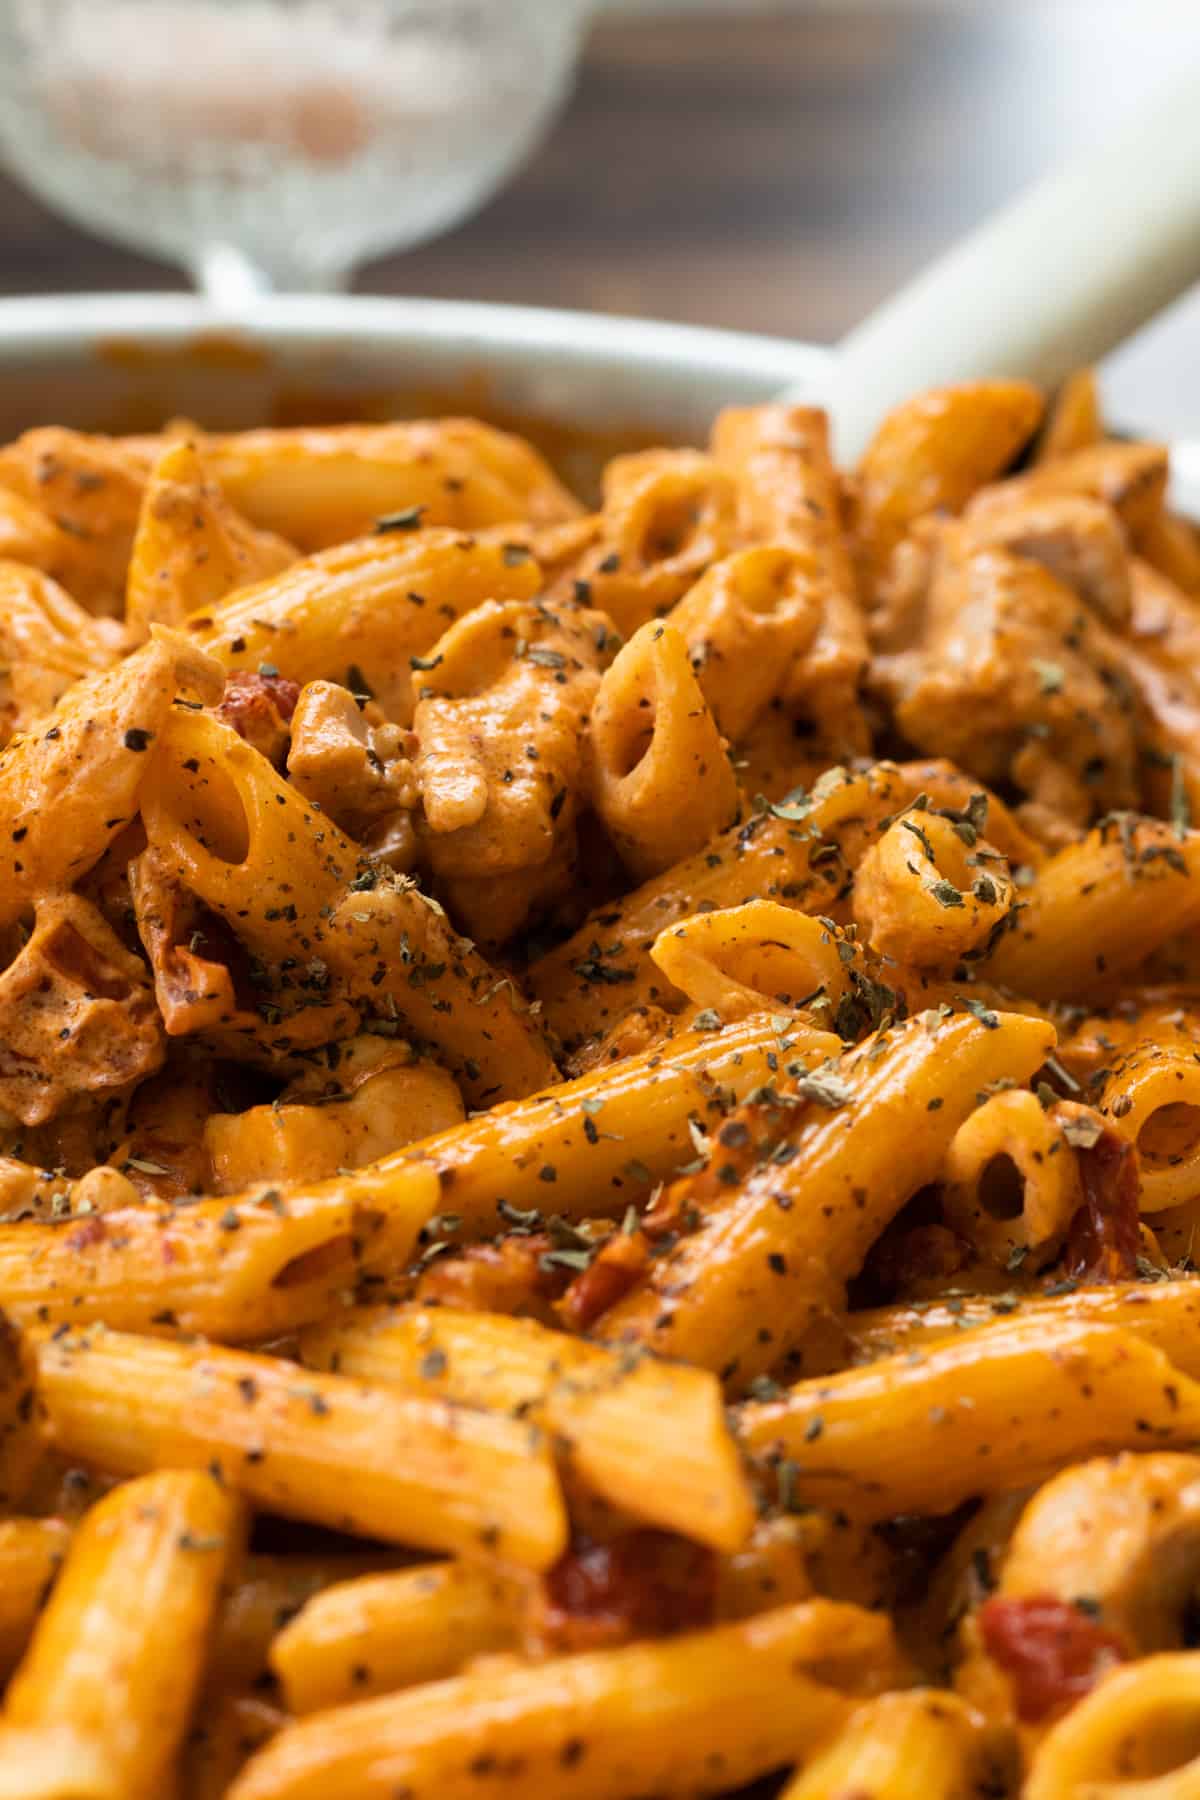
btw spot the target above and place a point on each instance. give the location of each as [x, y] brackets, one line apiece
[600, 1114]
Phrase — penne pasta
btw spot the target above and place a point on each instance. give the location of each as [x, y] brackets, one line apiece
[728, 1705]
[100, 1702]
[319, 1447]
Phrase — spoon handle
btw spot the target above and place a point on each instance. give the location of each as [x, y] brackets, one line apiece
[1054, 280]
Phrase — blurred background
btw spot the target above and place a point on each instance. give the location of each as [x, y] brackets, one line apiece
[776, 167]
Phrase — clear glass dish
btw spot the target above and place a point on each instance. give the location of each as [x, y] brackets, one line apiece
[277, 143]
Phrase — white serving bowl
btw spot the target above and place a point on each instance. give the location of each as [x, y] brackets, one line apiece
[126, 362]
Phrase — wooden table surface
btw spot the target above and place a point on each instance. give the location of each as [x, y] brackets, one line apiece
[780, 170]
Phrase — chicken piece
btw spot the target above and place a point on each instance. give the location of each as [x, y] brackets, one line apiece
[499, 730]
[47, 641]
[1017, 683]
[1131, 478]
[260, 709]
[192, 547]
[364, 1099]
[1077, 539]
[77, 1013]
[354, 765]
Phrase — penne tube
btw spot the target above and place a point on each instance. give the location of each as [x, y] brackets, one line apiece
[1073, 419]
[31, 1554]
[251, 1266]
[227, 1733]
[789, 494]
[309, 1446]
[745, 622]
[922, 896]
[1164, 1314]
[357, 614]
[191, 547]
[66, 791]
[661, 781]
[1151, 1098]
[1001, 1409]
[923, 1745]
[590, 1146]
[100, 1703]
[385, 1632]
[1098, 908]
[1011, 1182]
[738, 959]
[799, 854]
[774, 1246]
[318, 485]
[688, 1715]
[270, 1590]
[1138, 1724]
[22, 1433]
[649, 1437]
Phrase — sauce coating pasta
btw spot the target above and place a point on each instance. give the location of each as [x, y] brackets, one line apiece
[600, 1114]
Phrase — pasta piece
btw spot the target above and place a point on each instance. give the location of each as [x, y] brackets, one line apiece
[1098, 908]
[1073, 418]
[668, 515]
[738, 959]
[100, 1703]
[744, 623]
[1011, 1181]
[923, 1745]
[382, 1096]
[31, 1554]
[728, 1705]
[90, 491]
[228, 1733]
[394, 949]
[661, 781]
[649, 1438]
[318, 1447]
[788, 494]
[741, 1289]
[499, 722]
[994, 1411]
[593, 1145]
[799, 853]
[1115, 1540]
[47, 641]
[1141, 1723]
[191, 547]
[360, 612]
[68, 790]
[250, 1267]
[923, 895]
[1151, 1098]
[321, 485]
[267, 1594]
[384, 1632]
[933, 452]
[77, 1015]
[22, 1434]
[1160, 1313]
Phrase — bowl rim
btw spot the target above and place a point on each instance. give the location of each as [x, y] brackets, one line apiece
[44, 324]
[36, 322]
